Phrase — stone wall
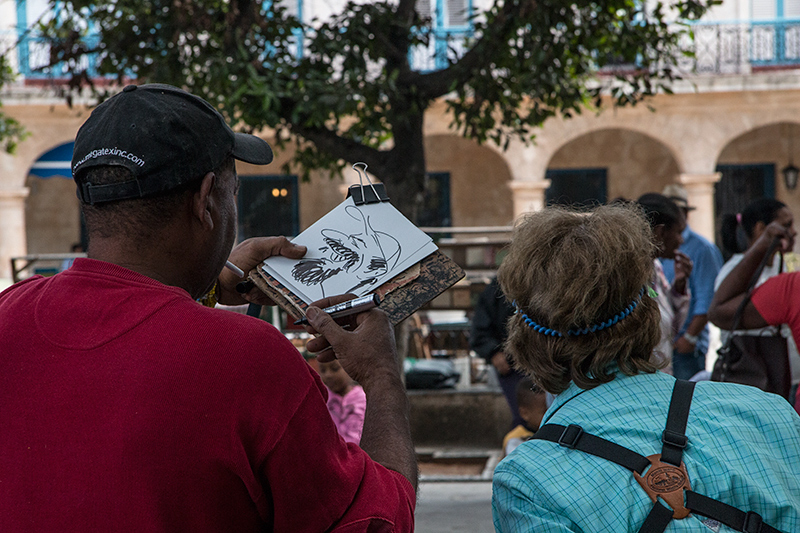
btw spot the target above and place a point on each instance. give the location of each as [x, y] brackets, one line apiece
[472, 418]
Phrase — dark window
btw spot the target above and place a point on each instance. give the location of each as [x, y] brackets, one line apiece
[435, 210]
[268, 206]
[580, 186]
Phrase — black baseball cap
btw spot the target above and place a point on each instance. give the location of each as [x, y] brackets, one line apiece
[165, 136]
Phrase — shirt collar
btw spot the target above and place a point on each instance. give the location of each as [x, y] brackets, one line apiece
[572, 391]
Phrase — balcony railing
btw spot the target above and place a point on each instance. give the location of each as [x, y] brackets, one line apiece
[34, 59]
[742, 47]
[446, 44]
[718, 48]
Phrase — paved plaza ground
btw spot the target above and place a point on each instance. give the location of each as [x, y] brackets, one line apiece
[454, 506]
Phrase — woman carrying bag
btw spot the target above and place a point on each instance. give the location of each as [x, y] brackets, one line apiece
[775, 302]
[738, 233]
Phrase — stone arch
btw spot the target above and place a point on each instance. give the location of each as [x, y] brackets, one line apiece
[49, 124]
[760, 153]
[52, 211]
[775, 142]
[479, 177]
[635, 162]
[48, 127]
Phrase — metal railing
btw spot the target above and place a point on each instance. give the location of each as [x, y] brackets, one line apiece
[741, 47]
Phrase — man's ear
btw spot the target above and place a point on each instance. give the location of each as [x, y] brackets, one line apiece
[758, 229]
[203, 202]
[658, 235]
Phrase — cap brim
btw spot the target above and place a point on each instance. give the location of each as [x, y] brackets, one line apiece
[251, 149]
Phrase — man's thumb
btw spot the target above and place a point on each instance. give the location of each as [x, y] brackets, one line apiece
[321, 321]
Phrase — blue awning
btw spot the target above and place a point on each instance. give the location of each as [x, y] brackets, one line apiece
[57, 162]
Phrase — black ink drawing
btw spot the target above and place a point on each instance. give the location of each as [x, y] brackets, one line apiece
[365, 256]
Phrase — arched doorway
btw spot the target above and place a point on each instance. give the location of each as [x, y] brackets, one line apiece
[608, 164]
[477, 178]
[52, 213]
[750, 166]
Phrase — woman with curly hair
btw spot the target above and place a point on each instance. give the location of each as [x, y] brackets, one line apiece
[585, 328]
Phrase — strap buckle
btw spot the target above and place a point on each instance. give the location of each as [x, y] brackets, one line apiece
[569, 438]
[673, 438]
[668, 482]
[752, 522]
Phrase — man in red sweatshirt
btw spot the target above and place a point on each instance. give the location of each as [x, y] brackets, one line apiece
[126, 405]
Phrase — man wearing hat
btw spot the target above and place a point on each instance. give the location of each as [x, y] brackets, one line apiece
[689, 356]
[126, 405]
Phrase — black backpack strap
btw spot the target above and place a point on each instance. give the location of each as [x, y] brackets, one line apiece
[674, 436]
[657, 519]
[732, 517]
[674, 441]
[574, 438]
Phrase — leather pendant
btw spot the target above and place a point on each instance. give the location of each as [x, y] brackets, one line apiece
[667, 482]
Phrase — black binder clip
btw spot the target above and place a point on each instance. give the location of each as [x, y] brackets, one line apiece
[366, 194]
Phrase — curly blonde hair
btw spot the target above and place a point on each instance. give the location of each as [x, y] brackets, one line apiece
[569, 269]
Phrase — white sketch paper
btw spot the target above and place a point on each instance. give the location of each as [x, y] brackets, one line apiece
[352, 249]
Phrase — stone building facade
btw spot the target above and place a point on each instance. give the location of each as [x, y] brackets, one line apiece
[725, 135]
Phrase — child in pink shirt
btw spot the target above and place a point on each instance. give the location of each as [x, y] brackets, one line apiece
[346, 401]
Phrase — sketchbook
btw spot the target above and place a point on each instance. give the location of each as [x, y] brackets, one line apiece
[360, 249]
[352, 249]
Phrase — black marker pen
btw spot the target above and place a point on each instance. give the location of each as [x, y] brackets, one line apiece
[350, 307]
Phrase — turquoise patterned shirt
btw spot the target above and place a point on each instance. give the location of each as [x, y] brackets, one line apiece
[744, 450]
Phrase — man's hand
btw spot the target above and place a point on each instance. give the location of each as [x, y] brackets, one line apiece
[363, 343]
[682, 345]
[367, 353]
[775, 230]
[500, 362]
[683, 269]
[247, 255]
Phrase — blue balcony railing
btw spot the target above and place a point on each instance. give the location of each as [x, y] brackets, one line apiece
[740, 47]
[445, 45]
[34, 59]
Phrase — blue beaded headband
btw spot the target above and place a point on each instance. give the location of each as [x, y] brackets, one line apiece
[581, 331]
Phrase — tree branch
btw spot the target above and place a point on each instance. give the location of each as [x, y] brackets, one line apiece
[406, 12]
[438, 83]
[347, 149]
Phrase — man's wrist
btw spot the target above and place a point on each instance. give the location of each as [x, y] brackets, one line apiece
[692, 339]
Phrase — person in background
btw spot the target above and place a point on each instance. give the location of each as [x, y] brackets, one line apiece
[532, 403]
[347, 402]
[667, 223]
[76, 248]
[488, 332]
[691, 345]
[751, 223]
[584, 329]
[145, 410]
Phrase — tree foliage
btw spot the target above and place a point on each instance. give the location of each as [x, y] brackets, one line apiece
[352, 95]
[11, 131]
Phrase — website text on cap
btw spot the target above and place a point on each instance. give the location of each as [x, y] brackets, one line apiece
[163, 135]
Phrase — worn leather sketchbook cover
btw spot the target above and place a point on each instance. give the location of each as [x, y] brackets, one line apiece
[400, 297]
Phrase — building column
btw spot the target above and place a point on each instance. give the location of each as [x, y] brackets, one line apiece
[700, 188]
[12, 229]
[528, 196]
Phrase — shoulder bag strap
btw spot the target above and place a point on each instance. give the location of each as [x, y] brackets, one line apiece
[737, 318]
